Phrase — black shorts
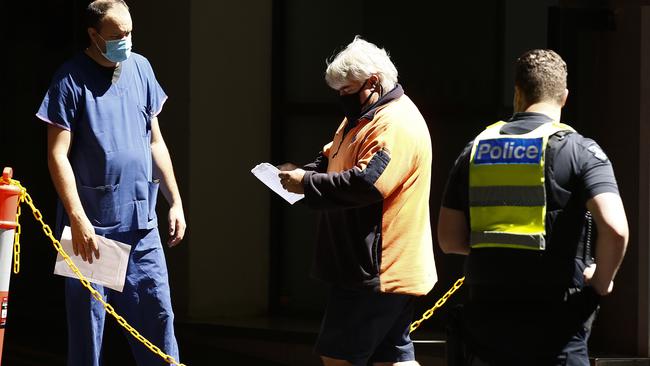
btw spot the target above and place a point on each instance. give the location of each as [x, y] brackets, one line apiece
[362, 325]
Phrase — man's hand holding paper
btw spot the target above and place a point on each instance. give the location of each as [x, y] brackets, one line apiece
[108, 270]
[269, 175]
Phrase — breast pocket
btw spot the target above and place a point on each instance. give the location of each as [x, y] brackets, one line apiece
[101, 204]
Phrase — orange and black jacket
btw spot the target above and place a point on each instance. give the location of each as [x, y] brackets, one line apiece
[371, 184]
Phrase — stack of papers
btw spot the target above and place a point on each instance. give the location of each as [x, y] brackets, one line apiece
[109, 270]
[268, 174]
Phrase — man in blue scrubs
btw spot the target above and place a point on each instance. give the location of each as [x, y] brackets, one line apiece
[107, 159]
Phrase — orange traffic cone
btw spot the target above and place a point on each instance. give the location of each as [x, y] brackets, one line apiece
[9, 195]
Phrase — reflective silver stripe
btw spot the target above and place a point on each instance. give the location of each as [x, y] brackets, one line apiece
[480, 239]
[507, 196]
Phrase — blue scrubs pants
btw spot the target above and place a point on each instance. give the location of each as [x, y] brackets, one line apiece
[145, 303]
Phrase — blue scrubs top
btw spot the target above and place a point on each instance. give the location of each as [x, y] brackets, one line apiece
[110, 152]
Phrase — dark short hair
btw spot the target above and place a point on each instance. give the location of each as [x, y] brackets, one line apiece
[541, 75]
[96, 11]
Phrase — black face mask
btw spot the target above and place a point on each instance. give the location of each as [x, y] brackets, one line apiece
[351, 106]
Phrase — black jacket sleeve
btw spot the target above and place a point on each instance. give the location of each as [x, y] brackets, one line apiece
[319, 165]
[347, 189]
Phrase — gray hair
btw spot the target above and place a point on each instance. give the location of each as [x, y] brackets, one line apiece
[357, 62]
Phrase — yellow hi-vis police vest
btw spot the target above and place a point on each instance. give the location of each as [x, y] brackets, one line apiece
[507, 197]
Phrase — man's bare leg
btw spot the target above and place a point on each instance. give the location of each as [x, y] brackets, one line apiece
[328, 361]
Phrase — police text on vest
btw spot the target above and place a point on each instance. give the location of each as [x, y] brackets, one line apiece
[509, 151]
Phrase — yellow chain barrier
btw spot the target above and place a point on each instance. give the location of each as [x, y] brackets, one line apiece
[427, 314]
[26, 198]
[17, 241]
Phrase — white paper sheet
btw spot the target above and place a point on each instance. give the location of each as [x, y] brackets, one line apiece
[109, 270]
[268, 174]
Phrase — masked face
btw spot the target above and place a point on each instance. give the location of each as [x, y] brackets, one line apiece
[351, 104]
[117, 50]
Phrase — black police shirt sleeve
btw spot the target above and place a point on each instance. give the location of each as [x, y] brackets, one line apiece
[457, 188]
[595, 169]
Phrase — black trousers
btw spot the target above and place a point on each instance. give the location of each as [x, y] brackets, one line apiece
[522, 331]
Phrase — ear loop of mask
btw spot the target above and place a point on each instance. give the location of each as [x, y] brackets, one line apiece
[381, 89]
[96, 45]
[369, 95]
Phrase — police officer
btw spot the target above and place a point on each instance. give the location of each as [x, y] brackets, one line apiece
[528, 201]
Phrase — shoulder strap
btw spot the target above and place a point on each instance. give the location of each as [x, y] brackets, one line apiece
[549, 129]
[492, 130]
